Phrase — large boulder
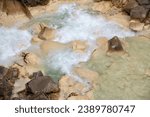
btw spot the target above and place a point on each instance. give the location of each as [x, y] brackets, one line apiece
[43, 84]
[139, 12]
[130, 5]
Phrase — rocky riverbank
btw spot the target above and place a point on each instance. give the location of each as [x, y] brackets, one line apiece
[72, 54]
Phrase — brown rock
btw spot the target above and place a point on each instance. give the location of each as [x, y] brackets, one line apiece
[139, 12]
[51, 46]
[119, 3]
[79, 46]
[114, 44]
[37, 96]
[143, 2]
[3, 71]
[69, 86]
[130, 5]
[42, 84]
[136, 25]
[30, 58]
[5, 89]
[47, 33]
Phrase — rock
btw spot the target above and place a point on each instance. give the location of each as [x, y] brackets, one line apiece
[79, 46]
[69, 86]
[130, 5]
[144, 2]
[51, 46]
[103, 6]
[102, 41]
[42, 84]
[114, 44]
[119, 3]
[15, 6]
[5, 89]
[33, 3]
[121, 19]
[36, 74]
[54, 96]
[36, 40]
[147, 27]
[3, 71]
[19, 85]
[7, 80]
[37, 96]
[47, 33]
[21, 68]
[136, 25]
[30, 58]
[139, 12]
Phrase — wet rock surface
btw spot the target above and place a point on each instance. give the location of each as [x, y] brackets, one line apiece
[7, 80]
[39, 87]
[136, 9]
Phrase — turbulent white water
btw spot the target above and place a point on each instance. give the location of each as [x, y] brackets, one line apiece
[12, 42]
[78, 24]
[71, 23]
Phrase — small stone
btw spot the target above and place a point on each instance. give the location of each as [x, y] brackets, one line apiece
[136, 25]
[30, 58]
[114, 44]
[47, 34]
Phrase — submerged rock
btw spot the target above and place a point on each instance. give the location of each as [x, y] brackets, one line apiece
[79, 46]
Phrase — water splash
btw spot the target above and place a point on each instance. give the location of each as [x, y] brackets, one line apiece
[79, 24]
[12, 42]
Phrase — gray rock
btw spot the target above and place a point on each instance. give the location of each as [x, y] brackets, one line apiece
[130, 5]
[143, 2]
[43, 84]
[139, 12]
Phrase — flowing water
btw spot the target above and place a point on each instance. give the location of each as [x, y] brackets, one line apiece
[71, 23]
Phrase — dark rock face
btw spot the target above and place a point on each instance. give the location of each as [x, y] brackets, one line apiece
[114, 44]
[37, 96]
[40, 86]
[143, 2]
[130, 5]
[7, 80]
[139, 12]
[33, 3]
[137, 9]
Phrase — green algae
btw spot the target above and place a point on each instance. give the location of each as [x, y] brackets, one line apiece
[123, 77]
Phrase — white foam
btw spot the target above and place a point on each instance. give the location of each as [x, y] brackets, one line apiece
[12, 42]
[81, 25]
[78, 24]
